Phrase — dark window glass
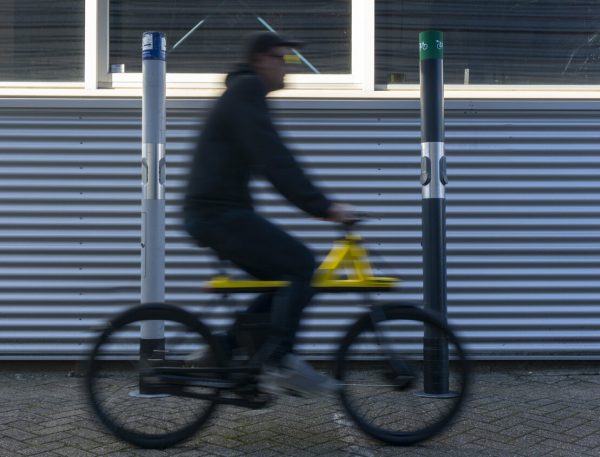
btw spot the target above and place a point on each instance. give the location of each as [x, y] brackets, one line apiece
[42, 40]
[324, 25]
[498, 42]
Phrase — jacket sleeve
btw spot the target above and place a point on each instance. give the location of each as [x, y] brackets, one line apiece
[267, 153]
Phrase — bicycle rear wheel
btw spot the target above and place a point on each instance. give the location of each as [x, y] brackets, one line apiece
[390, 390]
[161, 412]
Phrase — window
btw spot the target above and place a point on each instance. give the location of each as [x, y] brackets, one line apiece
[350, 44]
[41, 40]
[206, 36]
[492, 42]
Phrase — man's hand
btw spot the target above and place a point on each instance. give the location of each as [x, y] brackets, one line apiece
[341, 212]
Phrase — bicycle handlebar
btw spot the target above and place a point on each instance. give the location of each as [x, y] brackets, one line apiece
[359, 217]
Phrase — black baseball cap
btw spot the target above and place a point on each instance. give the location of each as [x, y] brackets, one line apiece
[260, 42]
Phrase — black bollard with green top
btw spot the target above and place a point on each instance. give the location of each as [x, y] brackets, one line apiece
[433, 181]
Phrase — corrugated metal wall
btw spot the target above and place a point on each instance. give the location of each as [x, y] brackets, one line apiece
[523, 218]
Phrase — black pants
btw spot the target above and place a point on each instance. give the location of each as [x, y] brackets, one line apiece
[266, 252]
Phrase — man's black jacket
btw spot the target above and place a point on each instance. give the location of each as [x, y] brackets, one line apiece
[239, 140]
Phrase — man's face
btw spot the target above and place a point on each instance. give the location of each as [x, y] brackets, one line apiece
[271, 66]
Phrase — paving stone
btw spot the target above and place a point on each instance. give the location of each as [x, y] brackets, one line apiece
[70, 451]
[44, 439]
[513, 410]
[17, 433]
[8, 445]
[592, 441]
[37, 449]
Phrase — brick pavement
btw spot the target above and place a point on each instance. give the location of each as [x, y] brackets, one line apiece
[515, 409]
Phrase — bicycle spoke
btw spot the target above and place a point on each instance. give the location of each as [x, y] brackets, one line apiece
[135, 398]
[390, 395]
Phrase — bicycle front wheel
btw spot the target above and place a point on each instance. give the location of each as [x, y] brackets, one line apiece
[150, 398]
[404, 374]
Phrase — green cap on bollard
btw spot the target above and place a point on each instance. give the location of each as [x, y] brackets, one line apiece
[431, 45]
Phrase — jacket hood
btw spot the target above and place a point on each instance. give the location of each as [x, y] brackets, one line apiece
[240, 70]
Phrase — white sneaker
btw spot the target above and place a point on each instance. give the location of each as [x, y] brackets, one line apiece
[296, 377]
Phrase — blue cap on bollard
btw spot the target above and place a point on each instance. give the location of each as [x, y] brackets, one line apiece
[154, 46]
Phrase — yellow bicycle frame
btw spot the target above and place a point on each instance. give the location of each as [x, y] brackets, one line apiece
[346, 268]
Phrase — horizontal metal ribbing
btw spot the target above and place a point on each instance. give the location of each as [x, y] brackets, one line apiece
[523, 239]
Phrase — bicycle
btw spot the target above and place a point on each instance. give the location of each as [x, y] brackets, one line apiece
[381, 362]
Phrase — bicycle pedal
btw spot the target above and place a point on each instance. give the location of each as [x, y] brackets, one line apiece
[261, 401]
[294, 393]
[253, 395]
[402, 382]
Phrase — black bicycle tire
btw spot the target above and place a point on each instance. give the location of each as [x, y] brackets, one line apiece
[154, 311]
[410, 312]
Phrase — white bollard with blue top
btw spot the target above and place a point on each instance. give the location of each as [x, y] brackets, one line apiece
[152, 342]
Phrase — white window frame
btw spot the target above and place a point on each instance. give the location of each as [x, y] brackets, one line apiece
[362, 74]
[96, 45]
